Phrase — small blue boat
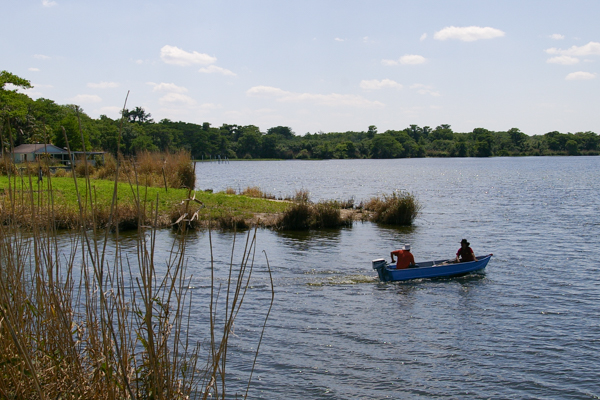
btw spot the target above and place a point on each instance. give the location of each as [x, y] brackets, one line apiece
[428, 269]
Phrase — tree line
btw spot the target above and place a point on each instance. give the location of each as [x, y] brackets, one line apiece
[24, 120]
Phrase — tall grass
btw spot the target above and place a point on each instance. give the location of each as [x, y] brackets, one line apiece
[303, 214]
[93, 321]
[396, 209]
[160, 169]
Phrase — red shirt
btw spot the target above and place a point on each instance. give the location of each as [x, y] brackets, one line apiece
[465, 255]
[405, 258]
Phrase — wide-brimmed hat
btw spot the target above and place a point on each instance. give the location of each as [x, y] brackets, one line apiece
[464, 241]
[406, 247]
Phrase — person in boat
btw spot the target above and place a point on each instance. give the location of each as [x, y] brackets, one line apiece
[465, 253]
[404, 256]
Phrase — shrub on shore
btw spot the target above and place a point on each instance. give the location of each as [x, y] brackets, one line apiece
[296, 218]
[326, 214]
[304, 215]
[397, 209]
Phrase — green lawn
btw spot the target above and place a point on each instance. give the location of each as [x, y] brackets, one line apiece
[65, 195]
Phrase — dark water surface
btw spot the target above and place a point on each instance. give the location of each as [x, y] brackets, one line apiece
[529, 328]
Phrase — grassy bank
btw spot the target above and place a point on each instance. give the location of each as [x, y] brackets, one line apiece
[131, 200]
[163, 208]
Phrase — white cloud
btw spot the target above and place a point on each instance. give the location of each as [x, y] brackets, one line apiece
[557, 36]
[412, 59]
[468, 33]
[266, 91]
[176, 56]
[214, 69]
[375, 84]
[425, 89]
[48, 3]
[86, 98]
[389, 63]
[103, 85]
[580, 75]
[408, 59]
[333, 99]
[563, 60]
[139, 61]
[41, 57]
[592, 48]
[176, 98]
[167, 87]
[337, 39]
[423, 37]
[34, 69]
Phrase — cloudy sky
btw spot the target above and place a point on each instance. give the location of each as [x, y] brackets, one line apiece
[316, 65]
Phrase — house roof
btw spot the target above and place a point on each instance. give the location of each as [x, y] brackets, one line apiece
[38, 149]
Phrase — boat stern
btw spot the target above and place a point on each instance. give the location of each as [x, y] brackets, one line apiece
[380, 265]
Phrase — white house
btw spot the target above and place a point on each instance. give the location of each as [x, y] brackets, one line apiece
[32, 152]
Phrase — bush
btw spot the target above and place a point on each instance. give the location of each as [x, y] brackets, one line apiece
[398, 209]
[296, 218]
[80, 169]
[108, 169]
[304, 215]
[326, 214]
[7, 165]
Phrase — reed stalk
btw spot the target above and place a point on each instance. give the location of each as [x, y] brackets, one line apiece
[82, 318]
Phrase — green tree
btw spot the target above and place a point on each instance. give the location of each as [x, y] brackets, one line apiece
[143, 143]
[249, 142]
[385, 146]
[517, 137]
[441, 132]
[482, 139]
[108, 133]
[283, 131]
[572, 147]
[138, 114]
[71, 129]
[372, 131]
[13, 105]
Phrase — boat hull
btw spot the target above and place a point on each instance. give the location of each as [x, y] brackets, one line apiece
[429, 269]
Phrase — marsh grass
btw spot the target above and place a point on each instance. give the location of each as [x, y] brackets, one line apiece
[91, 321]
[296, 217]
[255, 191]
[303, 214]
[171, 204]
[396, 209]
[326, 214]
[157, 169]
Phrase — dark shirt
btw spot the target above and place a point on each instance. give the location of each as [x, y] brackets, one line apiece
[465, 254]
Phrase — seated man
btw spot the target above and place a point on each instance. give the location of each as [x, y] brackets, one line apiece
[465, 253]
[405, 257]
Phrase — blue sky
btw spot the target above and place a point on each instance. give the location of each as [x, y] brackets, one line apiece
[316, 65]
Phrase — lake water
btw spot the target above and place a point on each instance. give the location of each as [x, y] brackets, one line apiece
[529, 328]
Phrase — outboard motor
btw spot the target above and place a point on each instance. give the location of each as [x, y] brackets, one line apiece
[379, 265]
